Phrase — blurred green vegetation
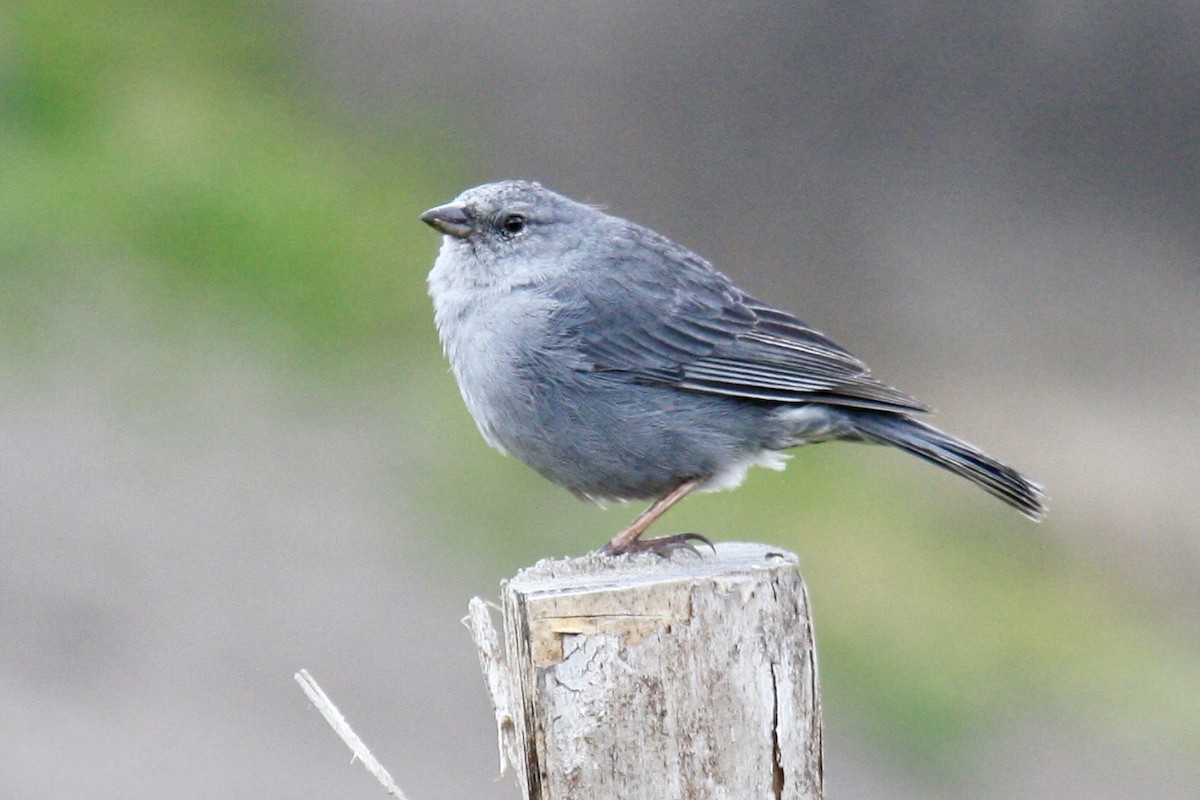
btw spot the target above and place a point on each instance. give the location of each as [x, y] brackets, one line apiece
[178, 138]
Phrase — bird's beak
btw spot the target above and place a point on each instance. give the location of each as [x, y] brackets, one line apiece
[449, 219]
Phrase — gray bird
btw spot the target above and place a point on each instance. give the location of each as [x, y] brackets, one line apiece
[621, 365]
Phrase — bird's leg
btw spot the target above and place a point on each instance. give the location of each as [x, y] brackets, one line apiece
[629, 541]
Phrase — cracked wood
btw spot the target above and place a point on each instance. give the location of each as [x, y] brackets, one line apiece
[646, 678]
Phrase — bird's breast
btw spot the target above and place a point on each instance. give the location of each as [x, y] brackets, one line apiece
[491, 339]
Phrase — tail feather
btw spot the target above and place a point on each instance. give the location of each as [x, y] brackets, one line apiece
[936, 447]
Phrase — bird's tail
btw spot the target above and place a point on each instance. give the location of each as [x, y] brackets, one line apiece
[936, 447]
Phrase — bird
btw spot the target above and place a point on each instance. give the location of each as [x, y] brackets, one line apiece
[623, 366]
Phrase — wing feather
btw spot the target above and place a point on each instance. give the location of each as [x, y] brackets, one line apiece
[682, 323]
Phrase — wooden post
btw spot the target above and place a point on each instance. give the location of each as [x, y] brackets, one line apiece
[639, 677]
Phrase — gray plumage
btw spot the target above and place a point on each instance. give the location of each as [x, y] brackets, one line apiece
[619, 364]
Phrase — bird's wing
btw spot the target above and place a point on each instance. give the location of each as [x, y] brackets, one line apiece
[680, 322]
[781, 359]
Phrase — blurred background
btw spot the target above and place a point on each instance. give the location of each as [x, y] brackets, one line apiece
[230, 447]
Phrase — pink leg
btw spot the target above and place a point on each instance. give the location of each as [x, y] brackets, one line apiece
[629, 539]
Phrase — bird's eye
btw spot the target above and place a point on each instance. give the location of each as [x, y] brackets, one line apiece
[513, 223]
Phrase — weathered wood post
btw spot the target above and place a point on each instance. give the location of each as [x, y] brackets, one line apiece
[650, 678]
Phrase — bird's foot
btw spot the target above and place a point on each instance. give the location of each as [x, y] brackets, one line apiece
[663, 546]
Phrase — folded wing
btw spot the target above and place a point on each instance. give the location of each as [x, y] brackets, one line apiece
[680, 322]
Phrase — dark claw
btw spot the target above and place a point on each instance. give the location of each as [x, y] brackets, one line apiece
[663, 546]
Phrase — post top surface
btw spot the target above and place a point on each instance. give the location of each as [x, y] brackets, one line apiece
[595, 570]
